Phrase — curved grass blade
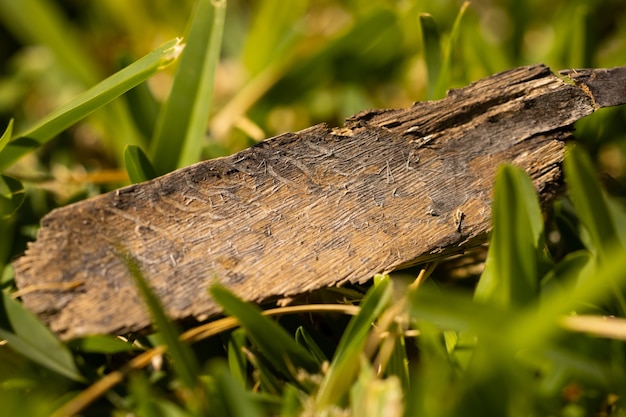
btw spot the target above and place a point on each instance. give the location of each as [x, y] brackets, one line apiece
[11, 195]
[183, 360]
[345, 364]
[510, 276]
[33, 340]
[588, 199]
[6, 136]
[90, 100]
[181, 126]
[272, 340]
[305, 339]
[138, 165]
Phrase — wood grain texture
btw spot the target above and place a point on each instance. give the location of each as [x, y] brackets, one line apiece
[306, 210]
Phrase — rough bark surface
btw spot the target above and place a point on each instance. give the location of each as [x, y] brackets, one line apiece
[317, 208]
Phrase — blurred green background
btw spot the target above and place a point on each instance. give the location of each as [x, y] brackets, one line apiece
[285, 65]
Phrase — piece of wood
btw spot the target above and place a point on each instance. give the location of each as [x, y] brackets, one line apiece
[306, 210]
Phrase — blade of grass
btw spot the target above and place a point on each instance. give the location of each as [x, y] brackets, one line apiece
[345, 364]
[237, 362]
[588, 199]
[90, 100]
[536, 324]
[273, 341]
[432, 51]
[6, 136]
[11, 195]
[273, 33]
[266, 377]
[138, 165]
[143, 106]
[183, 360]
[181, 125]
[7, 231]
[510, 276]
[432, 377]
[593, 210]
[305, 339]
[234, 398]
[399, 363]
[443, 81]
[453, 310]
[101, 343]
[35, 341]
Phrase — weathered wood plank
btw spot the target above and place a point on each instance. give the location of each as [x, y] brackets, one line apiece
[316, 208]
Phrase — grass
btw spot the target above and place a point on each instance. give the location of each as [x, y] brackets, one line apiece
[539, 331]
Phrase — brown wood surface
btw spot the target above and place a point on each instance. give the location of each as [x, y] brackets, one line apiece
[317, 208]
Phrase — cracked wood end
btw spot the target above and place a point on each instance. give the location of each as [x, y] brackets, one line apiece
[312, 209]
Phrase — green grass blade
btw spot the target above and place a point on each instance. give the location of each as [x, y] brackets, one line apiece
[443, 81]
[101, 343]
[237, 362]
[291, 406]
[138, 165]
[453, 310]
[536, 324]
[33, 340]
[432, 51]
[399, 363]
[510, 276]
[593, 209]
[6, 136]
[11, 195]
[181, 126]
[7, 231]
[87, 102]
[432, 377]
[183, 360]
[234, 398]
[272, 340]
[142, 105]
[588, 199]
[305, 339]
[345, 364]
[578, 46]
[269, 380]
[273, 33]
